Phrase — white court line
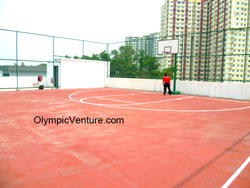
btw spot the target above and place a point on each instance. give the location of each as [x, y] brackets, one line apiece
[45, 90]
[113, 100]
[86, 91]
[151, 102]
[59, 90]
[70, 96]
[135, 103]
[232, 178]
[163, 110]
[148, 109]
[222, 99]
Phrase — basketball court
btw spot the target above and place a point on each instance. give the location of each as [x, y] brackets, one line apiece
[162, 141]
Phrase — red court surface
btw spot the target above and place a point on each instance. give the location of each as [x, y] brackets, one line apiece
[164, 141]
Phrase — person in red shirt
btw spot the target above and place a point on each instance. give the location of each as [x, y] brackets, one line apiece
[166, 84]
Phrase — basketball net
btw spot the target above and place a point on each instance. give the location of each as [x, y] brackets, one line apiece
[166, 53]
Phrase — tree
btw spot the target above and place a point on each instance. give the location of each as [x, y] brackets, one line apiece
[169, 71]
[85, 57]
[148, 66]
[125, 62]
[115, 66]
[122, 62]
[43, 64]
[104, 56]
[95, 57]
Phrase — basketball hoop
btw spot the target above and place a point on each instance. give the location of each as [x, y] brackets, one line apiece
[166, 47]
[166, 53]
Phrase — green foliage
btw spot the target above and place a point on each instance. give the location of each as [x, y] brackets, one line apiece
[42, 64]
[148, 66]
[127, 63]
[67, 56]
[104, 56]
[85, 57]
[122, 62]
[169, 71]
[95, 57]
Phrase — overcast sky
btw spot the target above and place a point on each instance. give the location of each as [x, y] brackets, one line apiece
[97, 20]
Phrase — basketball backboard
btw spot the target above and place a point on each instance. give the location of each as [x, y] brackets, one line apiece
[168, 47]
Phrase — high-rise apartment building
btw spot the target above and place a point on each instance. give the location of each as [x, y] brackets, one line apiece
[213, 38]
[148, 43]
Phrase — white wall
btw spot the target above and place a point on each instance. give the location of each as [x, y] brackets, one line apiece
[23, 81]
[8, 82]
[212, 89]
[135, 83]
[232, 90]
[77, 73]
[72, 74]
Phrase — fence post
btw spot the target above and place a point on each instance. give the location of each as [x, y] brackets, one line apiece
[182, 57]
[246, 56]
[82, 48]
[16, 60]
[53, 61]
[175, 71]
[108, 63]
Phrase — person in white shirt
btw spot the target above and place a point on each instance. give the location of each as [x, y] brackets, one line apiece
[40, 82]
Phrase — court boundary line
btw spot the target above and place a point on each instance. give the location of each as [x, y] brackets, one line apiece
[86, 91]
[148, 109]
[82, 100]
[210, 162]
[223, 99]
[49, 90]
[113, 100]
[237, 172]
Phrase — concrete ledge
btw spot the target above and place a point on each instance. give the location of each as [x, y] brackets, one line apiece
[211, 89]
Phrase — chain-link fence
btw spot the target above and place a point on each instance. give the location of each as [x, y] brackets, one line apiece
[25, 56]
[214, 56]
[222, 55]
